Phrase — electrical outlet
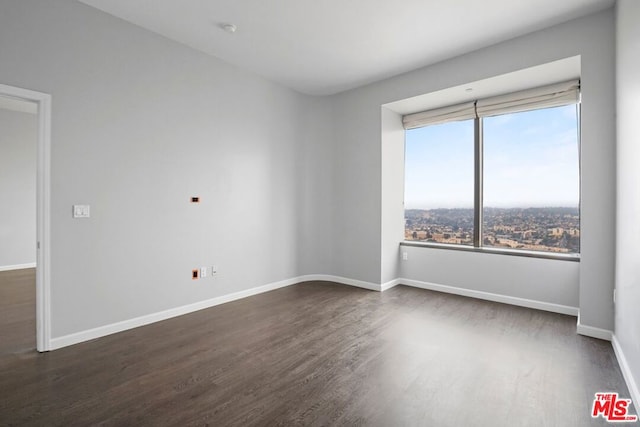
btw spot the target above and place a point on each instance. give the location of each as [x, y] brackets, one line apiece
[405, 256]
[203, 271]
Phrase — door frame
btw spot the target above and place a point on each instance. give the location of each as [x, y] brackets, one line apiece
[43, 211]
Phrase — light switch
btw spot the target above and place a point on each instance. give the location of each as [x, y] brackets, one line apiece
[81, 211]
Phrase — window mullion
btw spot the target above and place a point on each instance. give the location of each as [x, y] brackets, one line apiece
[477, 204]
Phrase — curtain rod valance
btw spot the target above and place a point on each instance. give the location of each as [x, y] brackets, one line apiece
[554, 95]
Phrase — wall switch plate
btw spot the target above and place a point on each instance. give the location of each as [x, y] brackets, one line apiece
[81, 211]
[214, 270]
[203, 271]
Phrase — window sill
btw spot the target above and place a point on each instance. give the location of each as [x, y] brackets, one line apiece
[498, 251]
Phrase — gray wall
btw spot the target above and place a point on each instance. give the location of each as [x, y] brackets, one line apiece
[18, 150]
[543, 280]
[360, 249]
[316, 182]
[627, 330]
[140, 124]
[392, 176]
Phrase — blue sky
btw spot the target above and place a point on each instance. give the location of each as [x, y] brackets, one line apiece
[530, 160]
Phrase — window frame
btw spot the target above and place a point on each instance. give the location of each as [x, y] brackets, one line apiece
[478, 200]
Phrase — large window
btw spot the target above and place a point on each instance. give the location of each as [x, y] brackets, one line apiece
[507, 178]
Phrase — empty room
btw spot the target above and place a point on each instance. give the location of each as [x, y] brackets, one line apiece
[294, 212]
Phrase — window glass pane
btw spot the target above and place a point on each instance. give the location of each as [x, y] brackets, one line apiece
[439, 183]
[531, 181]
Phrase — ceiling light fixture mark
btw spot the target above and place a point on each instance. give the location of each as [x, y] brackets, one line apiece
[228, 27]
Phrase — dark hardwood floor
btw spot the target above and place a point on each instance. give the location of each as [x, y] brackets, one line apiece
[17, 311]
[320, 353]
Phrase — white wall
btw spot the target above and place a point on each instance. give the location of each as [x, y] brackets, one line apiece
[360, 252]
[627, 321]
[140, 124]
[18, 145]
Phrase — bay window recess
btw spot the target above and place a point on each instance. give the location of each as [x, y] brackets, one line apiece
[500, 172]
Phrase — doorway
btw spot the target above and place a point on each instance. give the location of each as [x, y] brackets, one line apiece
[18, 270]
[18, 154]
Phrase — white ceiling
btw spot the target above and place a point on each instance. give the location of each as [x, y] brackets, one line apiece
[323, 47]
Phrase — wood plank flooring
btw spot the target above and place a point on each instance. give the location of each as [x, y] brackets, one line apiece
[17, 311]
[321, 354]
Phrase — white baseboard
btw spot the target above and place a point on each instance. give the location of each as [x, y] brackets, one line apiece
[522, 302]
[626, 373]
[390, 284]
[344, 280]
[17, 266]
[592, 331]
[124, 325]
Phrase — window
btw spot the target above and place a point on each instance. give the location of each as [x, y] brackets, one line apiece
[501, 173]
[439, 183]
